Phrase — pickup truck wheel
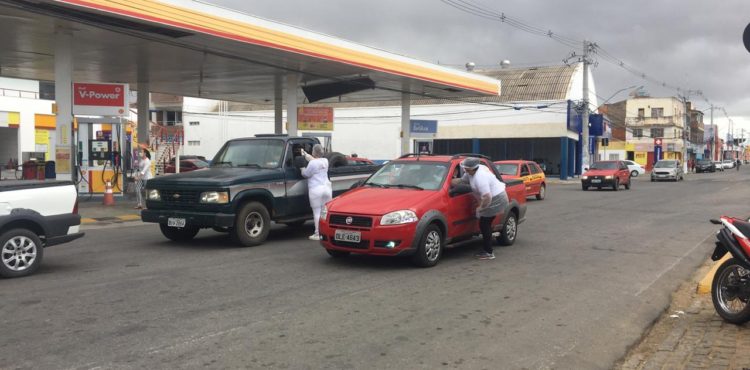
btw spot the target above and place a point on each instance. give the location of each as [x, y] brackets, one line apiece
[509, 232]
[252, 225]
[430, 247]
[542, 192]
[21, 253]
[179, 234]
[337, 254]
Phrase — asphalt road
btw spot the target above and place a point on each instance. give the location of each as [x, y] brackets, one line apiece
[588, 274]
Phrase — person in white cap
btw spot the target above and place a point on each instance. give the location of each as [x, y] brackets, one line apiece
[318, 184]
[491, 197]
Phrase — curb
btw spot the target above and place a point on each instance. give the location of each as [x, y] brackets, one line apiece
[123, 218]
[704, 286]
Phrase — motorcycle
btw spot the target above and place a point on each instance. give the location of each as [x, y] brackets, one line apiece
[730, 289]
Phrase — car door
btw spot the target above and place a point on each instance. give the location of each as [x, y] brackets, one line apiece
[537, 177]
[624, 173]
[526, 177]
[460, 211]
[297, 199]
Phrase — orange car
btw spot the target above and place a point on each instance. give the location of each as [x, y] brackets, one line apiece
[528, 171]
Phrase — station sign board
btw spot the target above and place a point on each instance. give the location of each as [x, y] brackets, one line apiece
[315, 118]
[423, 128]
[100, 99]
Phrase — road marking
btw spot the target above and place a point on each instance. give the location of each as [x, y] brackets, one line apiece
[674, 264]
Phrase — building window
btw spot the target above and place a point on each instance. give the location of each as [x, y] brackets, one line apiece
[657, 132]
[657, 112]
[195, 123]
[641, 112]
[194, 142]
[638, 132]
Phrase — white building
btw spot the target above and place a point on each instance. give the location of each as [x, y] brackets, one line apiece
[27, 124]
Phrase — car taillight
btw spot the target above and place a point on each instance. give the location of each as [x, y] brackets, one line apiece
[75, 207]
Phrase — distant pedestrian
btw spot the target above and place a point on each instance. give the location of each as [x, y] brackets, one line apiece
[318, 184]
[492, 197]
[739, 163]
[142, 176]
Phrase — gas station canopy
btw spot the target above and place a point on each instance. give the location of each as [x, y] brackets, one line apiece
[189, 48]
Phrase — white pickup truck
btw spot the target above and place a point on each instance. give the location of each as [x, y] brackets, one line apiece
[35, 215]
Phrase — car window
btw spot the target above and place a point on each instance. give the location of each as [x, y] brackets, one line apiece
[507, 168]
[534, 168]
[604, 166]
[524, 170]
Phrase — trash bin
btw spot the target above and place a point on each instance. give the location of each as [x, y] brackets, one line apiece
[49, 170]
[29, 170]
[40, 170]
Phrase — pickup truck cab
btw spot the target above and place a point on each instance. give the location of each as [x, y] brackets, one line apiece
[35, 215]
[251, 182]
[409, 207]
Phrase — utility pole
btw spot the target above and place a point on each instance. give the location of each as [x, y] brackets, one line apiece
[686, 128]
[714, 136]
[586, 160]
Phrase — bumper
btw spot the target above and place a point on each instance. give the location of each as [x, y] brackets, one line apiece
[200, 219]
[664, 177]
[374, 241]
[603, 183]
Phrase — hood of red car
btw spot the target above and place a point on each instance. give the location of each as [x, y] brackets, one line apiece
[377, 201]
[600, 172]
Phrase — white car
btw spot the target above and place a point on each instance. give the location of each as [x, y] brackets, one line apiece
[635, 168]
[728, 164]
[719, 165]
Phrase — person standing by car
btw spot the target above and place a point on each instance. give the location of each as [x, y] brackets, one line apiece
[318, 185]
[491, 196]
[142, 176]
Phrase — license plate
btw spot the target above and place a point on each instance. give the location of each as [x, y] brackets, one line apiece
[661, 175]
[596, 181]
[176, 222]
[348, 236]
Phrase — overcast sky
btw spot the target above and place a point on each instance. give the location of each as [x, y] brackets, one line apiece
[690, 43]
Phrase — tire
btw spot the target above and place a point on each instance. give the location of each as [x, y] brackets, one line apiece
[182, 234]
[509, 232]
[721, 291]
[584, 187]
[295, 224]
[21, 253]
[630, 182]
[252, 225]
[430, 247]
[616, 185]
[337, 254]
[336, 159]
[634, 173]
[542, 192]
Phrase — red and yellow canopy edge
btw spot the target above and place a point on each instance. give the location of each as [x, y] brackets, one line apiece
[188, 19]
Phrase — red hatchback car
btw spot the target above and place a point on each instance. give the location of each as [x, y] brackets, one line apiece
[409, 207]
[532, 175]
[607, 174]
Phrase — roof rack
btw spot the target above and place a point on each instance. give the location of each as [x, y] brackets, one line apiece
[407, 155]
[271, 135]
[456, 156]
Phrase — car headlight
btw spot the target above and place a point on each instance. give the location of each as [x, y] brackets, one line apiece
[324, 213]
[215, 197]
[608, 177]
[399, 217]
[153, 194]
[584, 177]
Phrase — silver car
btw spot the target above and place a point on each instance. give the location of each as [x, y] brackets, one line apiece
[667, 170]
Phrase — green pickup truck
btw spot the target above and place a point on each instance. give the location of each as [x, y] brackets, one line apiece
[251, 182]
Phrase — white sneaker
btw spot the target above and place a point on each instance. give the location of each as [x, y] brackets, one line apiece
[314, 237]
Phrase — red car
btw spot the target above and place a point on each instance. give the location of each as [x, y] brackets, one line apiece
[186, 165]
[532, 175]
[607, 174]
[409, 207]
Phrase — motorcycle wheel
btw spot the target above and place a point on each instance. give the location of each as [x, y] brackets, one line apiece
[729, 292]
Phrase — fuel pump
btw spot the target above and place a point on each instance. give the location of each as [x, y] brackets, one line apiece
[99, 157]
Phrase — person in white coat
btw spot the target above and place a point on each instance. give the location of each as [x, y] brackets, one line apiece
[318, 184]
[142, 176]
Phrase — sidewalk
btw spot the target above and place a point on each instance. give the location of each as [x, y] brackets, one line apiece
[92, 210]
[691, 335]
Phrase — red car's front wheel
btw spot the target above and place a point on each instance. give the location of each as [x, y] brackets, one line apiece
[430, 247]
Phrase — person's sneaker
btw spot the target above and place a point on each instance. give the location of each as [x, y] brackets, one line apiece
[314, 237]
[485, 256]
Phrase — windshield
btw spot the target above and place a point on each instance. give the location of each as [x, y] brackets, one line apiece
[704, 162]
[507, 168]
[604, 166]
[250, 153]
[416, 175]
[666, 164]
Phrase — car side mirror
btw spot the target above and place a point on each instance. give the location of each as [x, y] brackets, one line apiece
[459, 189]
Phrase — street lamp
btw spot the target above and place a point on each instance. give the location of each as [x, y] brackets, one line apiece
[617, 92]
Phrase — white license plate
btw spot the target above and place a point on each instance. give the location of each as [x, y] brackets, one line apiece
[176, 222]
[661, 175]
[348, 236]
[596, 181]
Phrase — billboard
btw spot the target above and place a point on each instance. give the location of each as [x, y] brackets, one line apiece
[98, 99]
[315, 118]
[423, 128]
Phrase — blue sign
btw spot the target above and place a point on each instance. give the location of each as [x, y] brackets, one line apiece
[657, 153]
[596, 125]
[423, 127]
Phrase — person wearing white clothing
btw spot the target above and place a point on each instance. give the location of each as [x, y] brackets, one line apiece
[491, 196]
[318, 184]
[142, 176]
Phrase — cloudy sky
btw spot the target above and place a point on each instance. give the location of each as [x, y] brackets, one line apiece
[690, 43]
